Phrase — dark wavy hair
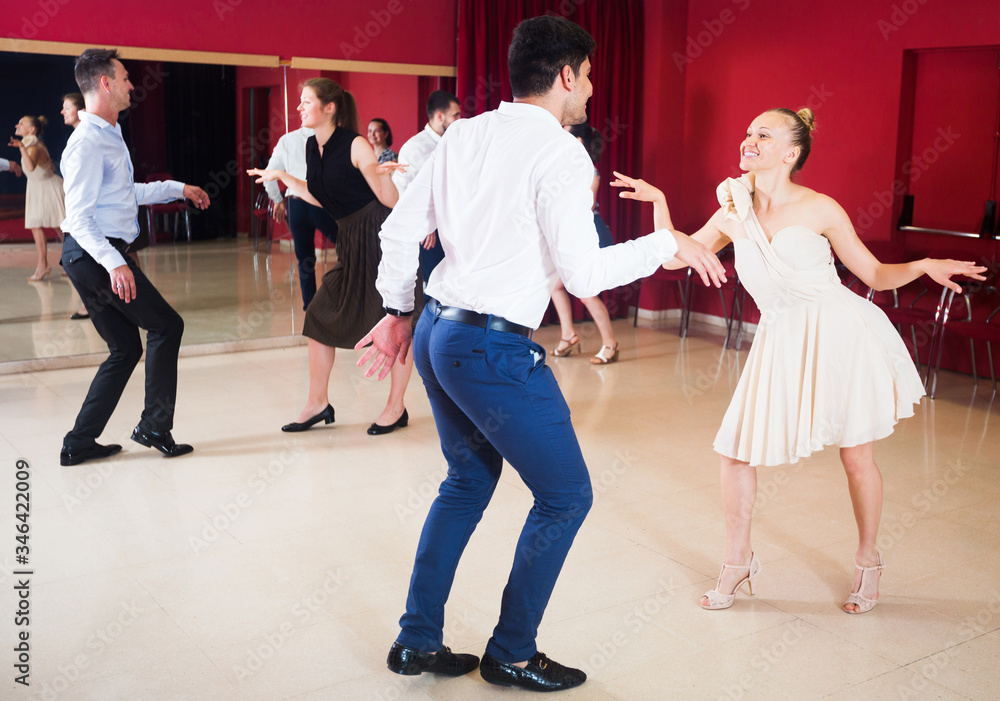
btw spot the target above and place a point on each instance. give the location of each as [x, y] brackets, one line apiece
[591, 139]
[386, 128]
[541, 46]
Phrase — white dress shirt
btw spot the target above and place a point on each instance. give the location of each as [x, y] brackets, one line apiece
[289, 155]
[4, 164]
[102, 199]
[509, 193]
[414, 154]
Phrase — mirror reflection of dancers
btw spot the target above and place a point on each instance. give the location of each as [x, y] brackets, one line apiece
[826, 366]
[43, 199]
[73, 105]
[344, 177]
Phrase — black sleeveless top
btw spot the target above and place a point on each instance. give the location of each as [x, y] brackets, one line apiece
[332, 178]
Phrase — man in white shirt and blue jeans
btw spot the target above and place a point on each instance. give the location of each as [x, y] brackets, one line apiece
[102, 204]
[509, 193]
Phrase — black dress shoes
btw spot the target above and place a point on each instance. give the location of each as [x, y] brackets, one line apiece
[407, 660]
[74, 456]
[376, 430]
[541, 674]
[162, 441]
[326, 416]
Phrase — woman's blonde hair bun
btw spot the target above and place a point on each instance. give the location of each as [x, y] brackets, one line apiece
[807, 117]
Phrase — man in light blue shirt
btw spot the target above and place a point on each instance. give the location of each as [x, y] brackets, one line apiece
[102, 203]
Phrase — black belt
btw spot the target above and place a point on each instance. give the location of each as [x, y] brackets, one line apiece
[483, 321]
[121, 245]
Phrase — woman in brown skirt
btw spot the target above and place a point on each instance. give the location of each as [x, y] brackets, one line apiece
[344, 177]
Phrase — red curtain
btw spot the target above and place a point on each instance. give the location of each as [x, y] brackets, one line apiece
[484, 33]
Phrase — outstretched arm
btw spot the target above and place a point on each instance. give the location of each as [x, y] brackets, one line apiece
[697, 250]
[886, 276]
[295, 186]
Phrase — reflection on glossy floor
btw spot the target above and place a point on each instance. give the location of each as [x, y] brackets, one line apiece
[274, 566]
[228, 295]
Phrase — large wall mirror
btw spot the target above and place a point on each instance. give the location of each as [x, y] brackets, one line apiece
[203, 123]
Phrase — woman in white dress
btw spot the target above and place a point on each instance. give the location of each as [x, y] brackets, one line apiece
[826, 366]
[43, 202]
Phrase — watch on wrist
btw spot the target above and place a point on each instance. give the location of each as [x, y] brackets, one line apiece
[395, 312]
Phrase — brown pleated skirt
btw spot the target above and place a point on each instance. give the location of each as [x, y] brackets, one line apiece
[347, 305]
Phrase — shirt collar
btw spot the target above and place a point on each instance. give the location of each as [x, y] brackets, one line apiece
[526, 109]
[433, 134]
[98, 122]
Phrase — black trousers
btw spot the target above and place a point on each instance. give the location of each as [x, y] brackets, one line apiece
[119, 324]
[303, 220]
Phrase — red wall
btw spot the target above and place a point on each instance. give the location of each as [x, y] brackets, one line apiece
[842, 59]
[401, 31]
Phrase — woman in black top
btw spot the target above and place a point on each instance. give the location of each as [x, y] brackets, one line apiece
[344, 177]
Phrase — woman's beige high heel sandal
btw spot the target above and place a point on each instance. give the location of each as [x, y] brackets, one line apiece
[718, 600]
[864, 605]
[567, 346]
[607, 354]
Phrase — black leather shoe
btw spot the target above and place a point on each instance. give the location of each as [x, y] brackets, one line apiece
[77, 315]
[162, 441]
[541, 674]
[74, 456]
[376, 430]
[326, 416]
[406, 660]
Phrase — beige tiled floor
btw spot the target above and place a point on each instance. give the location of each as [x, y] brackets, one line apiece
[227, 294]
[272, 566]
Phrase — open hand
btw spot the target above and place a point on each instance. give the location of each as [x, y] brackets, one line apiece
[198, 197]
[704, 262]
[941, 271]
[265, 175]
[390, 339]
[390, 166]
[640, 189]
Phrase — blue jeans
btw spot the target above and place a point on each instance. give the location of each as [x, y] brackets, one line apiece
[303, 220]
[493, 399]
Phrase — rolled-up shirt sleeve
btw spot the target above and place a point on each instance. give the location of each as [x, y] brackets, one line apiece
[411, 221]
[82, 187]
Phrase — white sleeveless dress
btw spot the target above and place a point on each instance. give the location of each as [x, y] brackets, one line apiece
[43, 200]
[826, 366]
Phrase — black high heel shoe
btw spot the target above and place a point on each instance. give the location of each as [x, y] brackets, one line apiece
[326, 416]
[376, 430]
